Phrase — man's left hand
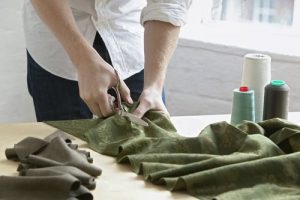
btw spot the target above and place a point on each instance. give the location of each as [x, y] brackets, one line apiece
[150, 100]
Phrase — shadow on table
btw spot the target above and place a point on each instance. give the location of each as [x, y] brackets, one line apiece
[8, 167]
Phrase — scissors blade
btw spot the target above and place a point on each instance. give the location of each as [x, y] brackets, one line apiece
[134, 118]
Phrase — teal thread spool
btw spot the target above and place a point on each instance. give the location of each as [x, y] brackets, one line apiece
[243, 107]
[276, 100]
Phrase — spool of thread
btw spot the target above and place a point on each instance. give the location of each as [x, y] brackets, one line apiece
[256, 75]
[276, 101]
[242, 105]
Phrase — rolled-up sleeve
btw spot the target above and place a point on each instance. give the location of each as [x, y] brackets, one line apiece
[171, 11]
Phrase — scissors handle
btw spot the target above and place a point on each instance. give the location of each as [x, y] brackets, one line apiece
[118, 80]
[120, 110]
[118, 106]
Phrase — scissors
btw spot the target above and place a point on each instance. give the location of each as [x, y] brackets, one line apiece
[119, 109]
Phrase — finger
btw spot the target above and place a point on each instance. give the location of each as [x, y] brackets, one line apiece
[111, 100]
[162, 108]
[143, 107]
[89, 102]
[105, 104]
[95, 109]
[166, 112]
[125, 93]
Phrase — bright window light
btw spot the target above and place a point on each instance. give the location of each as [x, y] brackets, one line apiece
[262, 25]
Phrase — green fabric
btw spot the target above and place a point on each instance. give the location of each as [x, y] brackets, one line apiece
[223, 162]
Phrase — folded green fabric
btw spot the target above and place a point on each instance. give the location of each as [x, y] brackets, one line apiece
[224, 162]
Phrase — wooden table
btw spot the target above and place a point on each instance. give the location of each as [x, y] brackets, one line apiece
[117, 181]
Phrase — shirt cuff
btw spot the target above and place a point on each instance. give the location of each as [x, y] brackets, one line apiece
[171, 11]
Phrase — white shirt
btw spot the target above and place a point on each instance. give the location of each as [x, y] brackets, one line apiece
[119, 22]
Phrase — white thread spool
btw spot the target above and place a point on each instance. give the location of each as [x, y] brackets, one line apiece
[256, 75]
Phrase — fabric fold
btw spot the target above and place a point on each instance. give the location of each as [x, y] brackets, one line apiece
[58, 187]
[84, 178]
[50, 168]
[36, 153]
[223, 162]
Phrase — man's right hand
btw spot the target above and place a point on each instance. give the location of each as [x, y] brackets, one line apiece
[95, 77]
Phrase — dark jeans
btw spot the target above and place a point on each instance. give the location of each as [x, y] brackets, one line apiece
[56, 98]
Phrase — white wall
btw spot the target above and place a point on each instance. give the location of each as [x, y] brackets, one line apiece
[15, 103]
[200, 78]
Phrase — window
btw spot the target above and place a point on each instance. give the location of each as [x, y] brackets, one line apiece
[259, 11]
[259, 25]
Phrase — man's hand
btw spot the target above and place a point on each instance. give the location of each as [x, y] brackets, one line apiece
[94, 74]
[160, 43]
[95, 77]
[150, 100]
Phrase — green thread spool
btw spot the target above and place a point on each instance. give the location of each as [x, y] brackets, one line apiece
[243, 107]
[276, 100]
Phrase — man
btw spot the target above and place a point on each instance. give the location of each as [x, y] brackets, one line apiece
[83, 40]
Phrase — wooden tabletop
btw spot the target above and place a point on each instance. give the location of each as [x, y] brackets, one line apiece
[117, 180]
